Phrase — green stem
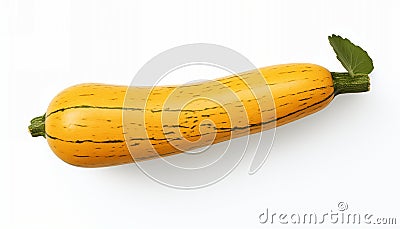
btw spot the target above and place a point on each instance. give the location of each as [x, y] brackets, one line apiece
[344, 83]
[37, 127]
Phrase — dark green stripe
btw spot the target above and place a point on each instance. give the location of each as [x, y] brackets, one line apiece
[93, 107]
[82, 141]
[126, 108]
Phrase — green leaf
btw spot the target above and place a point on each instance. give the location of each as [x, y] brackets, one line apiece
[353, 58]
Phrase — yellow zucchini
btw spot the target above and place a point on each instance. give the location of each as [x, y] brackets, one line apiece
[84, 124]
[84, 127]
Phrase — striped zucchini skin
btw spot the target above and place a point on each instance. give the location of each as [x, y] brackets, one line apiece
[85, 126]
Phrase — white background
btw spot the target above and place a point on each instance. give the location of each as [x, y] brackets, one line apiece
[347, 152]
